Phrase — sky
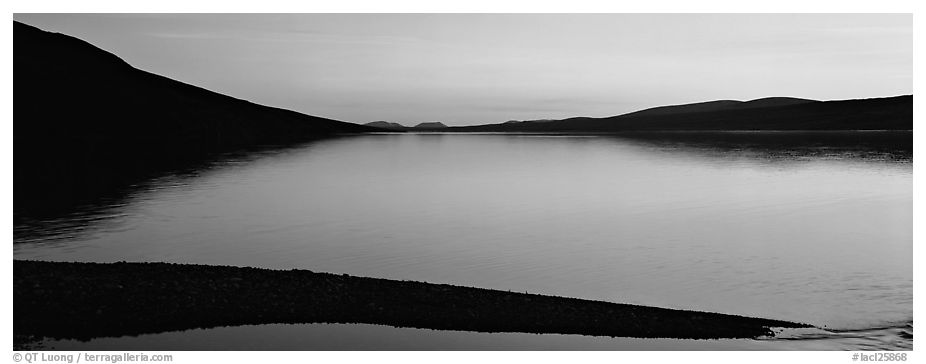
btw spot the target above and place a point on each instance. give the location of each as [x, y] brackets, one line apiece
[466, 69]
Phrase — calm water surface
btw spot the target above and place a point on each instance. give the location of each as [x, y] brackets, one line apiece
[745, 223]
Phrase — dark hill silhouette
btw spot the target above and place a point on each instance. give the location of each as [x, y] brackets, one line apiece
[430, 125]
[386, 125]
[390, 126]
[529, 121]
[773, 101]
[86, 122]
[696, 107]
[777, 113]
[720, 105]
[67, 87]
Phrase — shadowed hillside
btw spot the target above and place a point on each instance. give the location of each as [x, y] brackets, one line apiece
[86, 123]
[775, 113]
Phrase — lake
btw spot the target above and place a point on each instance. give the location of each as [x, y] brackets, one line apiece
[807, 227]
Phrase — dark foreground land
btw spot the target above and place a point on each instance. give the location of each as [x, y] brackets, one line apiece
[87, 300]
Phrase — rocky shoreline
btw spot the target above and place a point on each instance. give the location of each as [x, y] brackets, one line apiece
[87, 300]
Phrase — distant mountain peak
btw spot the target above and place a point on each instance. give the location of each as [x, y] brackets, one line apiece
[382, 124]
[430, 125]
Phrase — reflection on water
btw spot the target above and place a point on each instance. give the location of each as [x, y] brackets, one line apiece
[99, 183]
[809, 227]
[375, 337]
[783, 146]
[879, 338]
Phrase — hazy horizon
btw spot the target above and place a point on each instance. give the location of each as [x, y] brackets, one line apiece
[465, 69]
